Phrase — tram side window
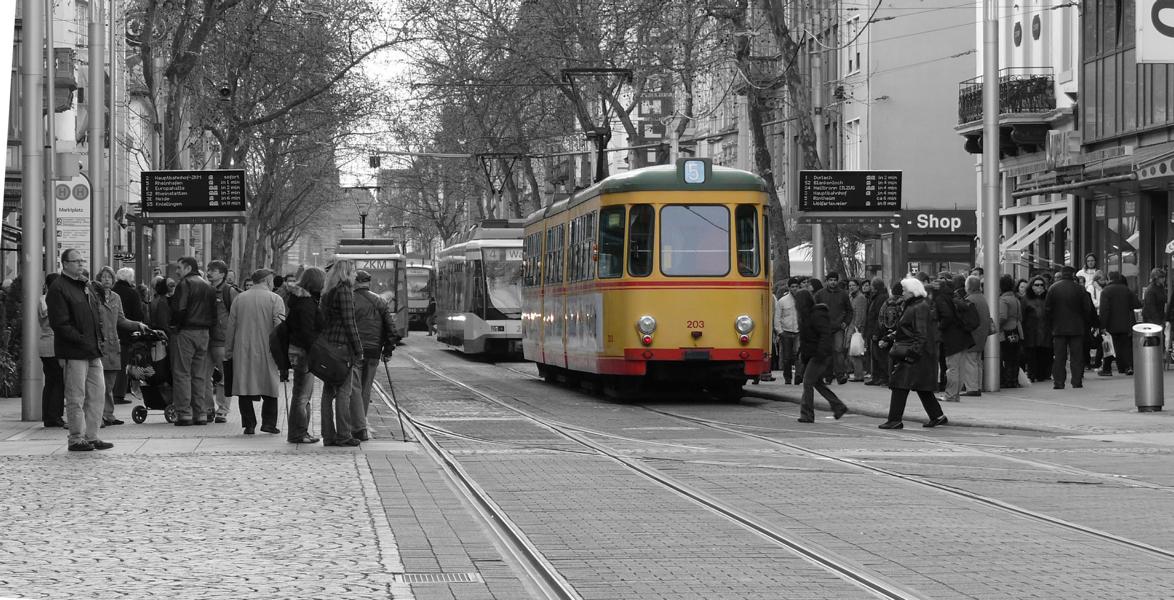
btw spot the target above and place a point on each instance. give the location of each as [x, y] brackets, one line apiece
[588, 244]
[611, 242]
[560, 252]
[573, 263]
[640, 228]
[746, 232]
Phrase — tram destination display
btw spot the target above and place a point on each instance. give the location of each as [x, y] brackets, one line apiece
[193, 191]
[836, 191]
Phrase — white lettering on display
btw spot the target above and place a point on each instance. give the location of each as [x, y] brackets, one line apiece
[927, 221]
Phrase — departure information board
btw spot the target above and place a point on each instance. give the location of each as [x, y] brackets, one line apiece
[834, 191]
[193, 191]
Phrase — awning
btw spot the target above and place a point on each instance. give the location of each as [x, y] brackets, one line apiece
[1033, 231]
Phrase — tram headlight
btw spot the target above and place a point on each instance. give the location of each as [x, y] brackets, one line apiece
[744, 324]
[646, 324]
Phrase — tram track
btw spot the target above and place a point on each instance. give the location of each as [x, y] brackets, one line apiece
[838, 565]
[845, 568]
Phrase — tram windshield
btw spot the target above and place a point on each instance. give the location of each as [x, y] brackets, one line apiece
[383, 273]
[503, 279]
[695, 240]
[419, 284]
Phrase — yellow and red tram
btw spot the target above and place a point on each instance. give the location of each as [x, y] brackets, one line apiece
[657, 275]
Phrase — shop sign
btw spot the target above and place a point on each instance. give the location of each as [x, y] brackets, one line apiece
[73, 215]
[1155, 31]
[940, 221]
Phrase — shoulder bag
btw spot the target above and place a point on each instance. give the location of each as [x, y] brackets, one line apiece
[329, 362]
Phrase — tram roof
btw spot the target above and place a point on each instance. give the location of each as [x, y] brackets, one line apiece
[659, 178]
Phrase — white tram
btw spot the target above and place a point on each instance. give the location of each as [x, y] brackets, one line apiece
[479, 289]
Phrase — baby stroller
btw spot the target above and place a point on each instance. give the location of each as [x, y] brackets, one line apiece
[149, 364]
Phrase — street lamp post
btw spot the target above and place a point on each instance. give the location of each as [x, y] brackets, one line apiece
[363, 202]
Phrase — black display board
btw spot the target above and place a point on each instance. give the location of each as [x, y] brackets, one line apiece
[833, 191]
[193, 191]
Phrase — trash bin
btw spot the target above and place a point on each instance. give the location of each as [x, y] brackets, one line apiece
[1147, 367]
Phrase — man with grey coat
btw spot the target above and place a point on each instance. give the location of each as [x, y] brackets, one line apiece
[253, 316]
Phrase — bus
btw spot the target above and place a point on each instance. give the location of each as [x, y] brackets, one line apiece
[421, 286]
[479, 285]
[388, 268]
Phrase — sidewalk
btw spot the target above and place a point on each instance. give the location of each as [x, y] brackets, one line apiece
[1103, 407]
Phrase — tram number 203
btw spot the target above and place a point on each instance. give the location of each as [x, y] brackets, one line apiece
[695, 324]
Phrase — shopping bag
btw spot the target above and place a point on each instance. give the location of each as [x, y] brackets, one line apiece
[856, 346]
[1024, 380]
[1107, 346]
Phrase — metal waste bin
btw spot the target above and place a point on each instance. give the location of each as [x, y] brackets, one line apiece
[1147, 367]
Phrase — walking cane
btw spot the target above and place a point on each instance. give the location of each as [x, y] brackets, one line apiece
[394, 402]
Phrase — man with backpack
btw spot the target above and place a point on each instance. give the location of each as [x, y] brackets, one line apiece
[225, 294]
[888, 316]
[957, 319]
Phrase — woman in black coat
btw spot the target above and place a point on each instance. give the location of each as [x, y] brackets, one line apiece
[303, 323]
[915, 362]
[815, 345]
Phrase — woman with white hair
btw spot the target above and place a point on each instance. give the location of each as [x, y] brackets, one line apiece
[132, 307]
[913, 348]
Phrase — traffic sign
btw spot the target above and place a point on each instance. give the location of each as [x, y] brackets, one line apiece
[193, 191]
[850, 191]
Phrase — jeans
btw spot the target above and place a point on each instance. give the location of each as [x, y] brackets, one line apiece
[954, 376]
[1065, 347]
[361, 395]
[84, 390]
[53, 394]
[190, 371]
[788, 348]
[336, 408]
[972, 370]
[216, 355]
[298, 426]
[812, 381]
[111, 377]
[839, 354]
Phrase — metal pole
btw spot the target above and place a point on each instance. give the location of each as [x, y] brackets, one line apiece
[96, 102]
[112, 161]
[363, 224]
[990, 184]
[50, 145]
[817, 254]
[32, 218]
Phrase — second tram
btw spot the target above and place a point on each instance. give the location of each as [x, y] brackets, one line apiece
[421, 284]
[658, 276]
[479, 293]
[388, 268]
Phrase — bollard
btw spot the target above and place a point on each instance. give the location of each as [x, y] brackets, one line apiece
[1147, 367]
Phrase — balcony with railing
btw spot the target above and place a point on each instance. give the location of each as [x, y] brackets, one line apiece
[1022, 91]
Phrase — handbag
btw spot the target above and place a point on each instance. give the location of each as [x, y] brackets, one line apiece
[902, 351]
[329, 362]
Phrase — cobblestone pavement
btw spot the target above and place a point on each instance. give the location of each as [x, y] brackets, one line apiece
[211, 525]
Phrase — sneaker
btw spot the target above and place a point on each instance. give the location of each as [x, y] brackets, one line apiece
[221, 420]
[805, 420]
[80, 447]
[100, 445]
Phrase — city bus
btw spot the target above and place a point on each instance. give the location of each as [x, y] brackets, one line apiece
[388, 268]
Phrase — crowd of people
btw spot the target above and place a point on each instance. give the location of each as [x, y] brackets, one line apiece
[212, 341]
[928, 334]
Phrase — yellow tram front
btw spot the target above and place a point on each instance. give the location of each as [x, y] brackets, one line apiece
[658, 274]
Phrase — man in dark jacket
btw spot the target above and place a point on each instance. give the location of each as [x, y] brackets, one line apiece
[225, 294]
[955, 338]
[816, 346]
[191, 367]
[872, 334]
[840, 313]
[77, 345]
[132, 308]
[303, 323]
[1117, 305]
[1153, 305]
[1068, 313]
[378, 334]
